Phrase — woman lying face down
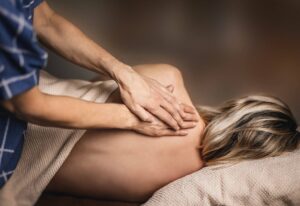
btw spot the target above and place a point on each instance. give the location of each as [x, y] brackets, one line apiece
[127, 166]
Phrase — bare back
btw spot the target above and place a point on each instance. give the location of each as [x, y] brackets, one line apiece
[123, 165]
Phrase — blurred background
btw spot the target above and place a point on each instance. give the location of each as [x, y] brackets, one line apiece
[225, 48]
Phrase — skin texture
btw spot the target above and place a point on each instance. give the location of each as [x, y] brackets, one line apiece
[124, 165]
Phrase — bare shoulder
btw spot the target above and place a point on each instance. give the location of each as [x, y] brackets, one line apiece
[166, 75]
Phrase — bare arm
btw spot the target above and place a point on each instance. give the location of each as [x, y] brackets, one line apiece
[67, 40]
[62, 111]
[67, 112]
[141, 95]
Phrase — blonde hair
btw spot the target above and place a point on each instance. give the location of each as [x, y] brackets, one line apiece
[251, 127]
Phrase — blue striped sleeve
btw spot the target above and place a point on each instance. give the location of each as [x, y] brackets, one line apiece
[37, 2]
[21, 56]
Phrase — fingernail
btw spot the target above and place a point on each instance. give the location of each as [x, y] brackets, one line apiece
[176, 127]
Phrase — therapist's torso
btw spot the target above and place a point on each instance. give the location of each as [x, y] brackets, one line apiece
[21, 57]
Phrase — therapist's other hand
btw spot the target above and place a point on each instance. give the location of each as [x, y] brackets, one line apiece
[157, 128]
[147, 98]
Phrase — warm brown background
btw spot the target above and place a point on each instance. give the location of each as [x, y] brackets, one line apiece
[224, 48]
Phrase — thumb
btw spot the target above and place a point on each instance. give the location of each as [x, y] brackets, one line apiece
[170, 88]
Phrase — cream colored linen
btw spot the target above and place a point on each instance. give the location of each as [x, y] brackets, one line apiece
[45, 149]
[270, 181]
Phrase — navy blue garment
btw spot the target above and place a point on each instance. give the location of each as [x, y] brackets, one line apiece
[21, 57]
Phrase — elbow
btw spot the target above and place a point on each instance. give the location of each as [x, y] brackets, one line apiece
[27, 113]
[20, 111]
[27, 106]
[32, 111]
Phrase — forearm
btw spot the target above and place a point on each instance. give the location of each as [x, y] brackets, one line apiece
[74, 113]
[144, 97]
[68, 41]
[68, 112]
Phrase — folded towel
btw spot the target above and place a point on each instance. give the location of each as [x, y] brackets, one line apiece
[45, 148]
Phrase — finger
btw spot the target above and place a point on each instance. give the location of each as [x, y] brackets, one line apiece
[167, 95]
[178, 110]
[165, 117]
[173, 112]
[169, 88]
[169, 132]
[187, 112]
[174, 104]
[166, 92]
[187, 108]
[188, 125]
[142, 113]
[190, 117]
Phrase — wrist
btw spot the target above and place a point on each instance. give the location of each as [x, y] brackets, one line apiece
[116, 69]
[122, 73]
[128, 120]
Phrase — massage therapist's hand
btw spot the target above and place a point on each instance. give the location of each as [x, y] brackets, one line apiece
[147, 98]
[157, 128]
[141, 95]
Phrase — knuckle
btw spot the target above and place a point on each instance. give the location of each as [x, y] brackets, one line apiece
[184, 125]
[174, 123]
[179, 121]
[187, 125]
[172, 110]
[186, 116]
[136, 107]
[151, 107]
[170, 107]
[175, 115]
[135, 110]
[177, 107]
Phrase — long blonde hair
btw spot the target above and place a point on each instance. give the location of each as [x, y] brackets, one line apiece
[251, 127]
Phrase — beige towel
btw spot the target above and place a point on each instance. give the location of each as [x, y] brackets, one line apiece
[271, 181]
[45, 149]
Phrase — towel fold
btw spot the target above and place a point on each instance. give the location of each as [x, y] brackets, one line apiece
[46, 148]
